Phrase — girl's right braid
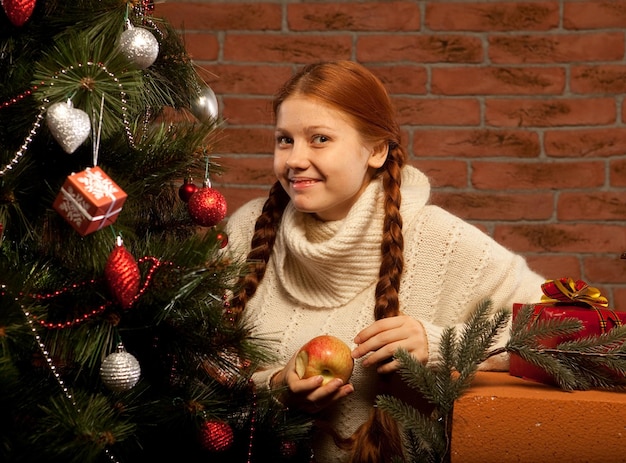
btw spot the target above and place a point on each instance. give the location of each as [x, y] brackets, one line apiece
[379, 438]
[392, 245]
[261, 245]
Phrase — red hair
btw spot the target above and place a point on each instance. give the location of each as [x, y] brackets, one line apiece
[352, 89]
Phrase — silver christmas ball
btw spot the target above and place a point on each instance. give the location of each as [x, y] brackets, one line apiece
[120, 371]
[139, 46]
[69, 126]
[205, 106]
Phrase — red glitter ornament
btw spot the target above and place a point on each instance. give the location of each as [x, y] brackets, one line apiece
[216, 436]
[187, 189]
[18, 11]
[122, 274]
[207, 207]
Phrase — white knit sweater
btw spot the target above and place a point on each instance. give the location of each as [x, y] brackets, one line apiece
[322, 276]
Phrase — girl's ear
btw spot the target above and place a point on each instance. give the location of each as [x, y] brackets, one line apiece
[378, 155]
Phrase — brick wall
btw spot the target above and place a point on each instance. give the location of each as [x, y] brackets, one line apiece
[514, 109]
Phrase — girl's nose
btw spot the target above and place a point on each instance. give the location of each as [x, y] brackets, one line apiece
[298, 156]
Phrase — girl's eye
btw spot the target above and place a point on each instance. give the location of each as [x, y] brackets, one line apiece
[283, 140]
[320, 139]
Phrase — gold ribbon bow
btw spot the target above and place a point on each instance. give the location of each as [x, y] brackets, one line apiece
[568, 290]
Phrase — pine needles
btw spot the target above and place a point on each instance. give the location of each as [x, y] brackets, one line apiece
[443, 382]
[578, 364]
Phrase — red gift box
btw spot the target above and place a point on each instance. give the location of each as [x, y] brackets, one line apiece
[89, 200]
[565, 298]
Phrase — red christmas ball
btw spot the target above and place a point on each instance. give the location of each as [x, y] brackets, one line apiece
[207, 207]
[216, 436]
[186, 190]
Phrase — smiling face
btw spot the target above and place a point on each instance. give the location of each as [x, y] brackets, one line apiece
[320, 158]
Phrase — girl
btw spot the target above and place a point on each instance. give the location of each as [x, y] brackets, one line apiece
[346, 244]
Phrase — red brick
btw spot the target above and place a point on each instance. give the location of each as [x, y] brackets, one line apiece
[619, 298]
[248, 111]
[550, 113]
[202, 46]
[246, 78]
[556, 48]
[564, 238]
[553, 266]
[617, 170]
[281, 48]
[594, 14]
[579, 143]
[498, 81]
[402, 79]
[438, 111]
[244, 140]
[536, 176]
[419, 48]
[220, 16]
[606, 268]
[444, 173]
[248, 170]
[603, 78]
[592, 205]
[475, 143]
[492, 16]
[499, 207]
[353, 16]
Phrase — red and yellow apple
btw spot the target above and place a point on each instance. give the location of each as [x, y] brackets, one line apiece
[327, 356]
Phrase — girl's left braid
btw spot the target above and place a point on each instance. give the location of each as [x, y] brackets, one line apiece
[262, 242]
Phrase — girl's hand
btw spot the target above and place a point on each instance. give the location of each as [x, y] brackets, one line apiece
[384, 337]
[308, 394]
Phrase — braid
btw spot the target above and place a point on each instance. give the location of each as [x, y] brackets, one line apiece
[379, 438]
[261, 245]
[392, 245]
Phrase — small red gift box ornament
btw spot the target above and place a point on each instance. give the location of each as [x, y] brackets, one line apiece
[89, 200]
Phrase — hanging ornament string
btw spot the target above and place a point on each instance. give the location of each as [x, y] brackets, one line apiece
[97, 132]
[207, 180]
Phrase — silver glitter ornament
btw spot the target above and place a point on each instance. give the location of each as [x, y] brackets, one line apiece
[69, 126]
[139, 46]
[205, 106]
[120, 371]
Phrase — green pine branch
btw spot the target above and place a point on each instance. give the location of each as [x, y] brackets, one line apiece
[443, 382]
[597, 361]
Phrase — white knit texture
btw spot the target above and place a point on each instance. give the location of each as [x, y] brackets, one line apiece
[322, 276]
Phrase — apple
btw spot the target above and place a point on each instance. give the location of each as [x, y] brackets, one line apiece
[327, 356]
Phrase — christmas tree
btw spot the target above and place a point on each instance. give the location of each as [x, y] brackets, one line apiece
[115, 339]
